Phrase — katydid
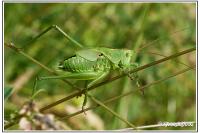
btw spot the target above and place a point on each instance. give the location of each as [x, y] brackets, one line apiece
[93, 64]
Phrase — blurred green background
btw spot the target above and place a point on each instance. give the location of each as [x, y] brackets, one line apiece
[110, 25]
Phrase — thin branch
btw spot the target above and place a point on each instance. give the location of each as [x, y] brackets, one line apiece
[176, 61]
[126, 94]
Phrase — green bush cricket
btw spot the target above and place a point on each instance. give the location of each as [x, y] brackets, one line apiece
[94, 64]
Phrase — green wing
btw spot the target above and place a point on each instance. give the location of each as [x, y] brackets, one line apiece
[114, 55]
[89, 54]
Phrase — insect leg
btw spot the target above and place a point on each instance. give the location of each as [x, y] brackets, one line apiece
[97, 80]
[60, 31]
[135, 76]
[132, 76]
[77, 76]
[93, 82]
[85, 98]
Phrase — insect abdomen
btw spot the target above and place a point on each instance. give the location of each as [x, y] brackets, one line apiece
[77, 64]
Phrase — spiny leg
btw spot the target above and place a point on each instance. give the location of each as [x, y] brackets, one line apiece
[85, 98]
[133, 76]
[77, 76]
[137, 78]
[94, 76]
[60, 31]
[88, 85]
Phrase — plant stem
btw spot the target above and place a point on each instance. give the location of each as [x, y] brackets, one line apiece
[127, 93]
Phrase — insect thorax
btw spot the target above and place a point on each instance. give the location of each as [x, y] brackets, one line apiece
[79, 64]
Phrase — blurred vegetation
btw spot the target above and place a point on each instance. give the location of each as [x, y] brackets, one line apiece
[110, 25]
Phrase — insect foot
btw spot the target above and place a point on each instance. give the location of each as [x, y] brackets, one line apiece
[79, 94]
[135, 77]
[130, 76]
[83, 109]
[84, 102]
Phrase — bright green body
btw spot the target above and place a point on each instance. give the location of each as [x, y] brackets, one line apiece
[90, 64]
[96, 63]
[78, 64]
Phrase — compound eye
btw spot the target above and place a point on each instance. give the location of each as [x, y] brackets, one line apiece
[101, 54]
